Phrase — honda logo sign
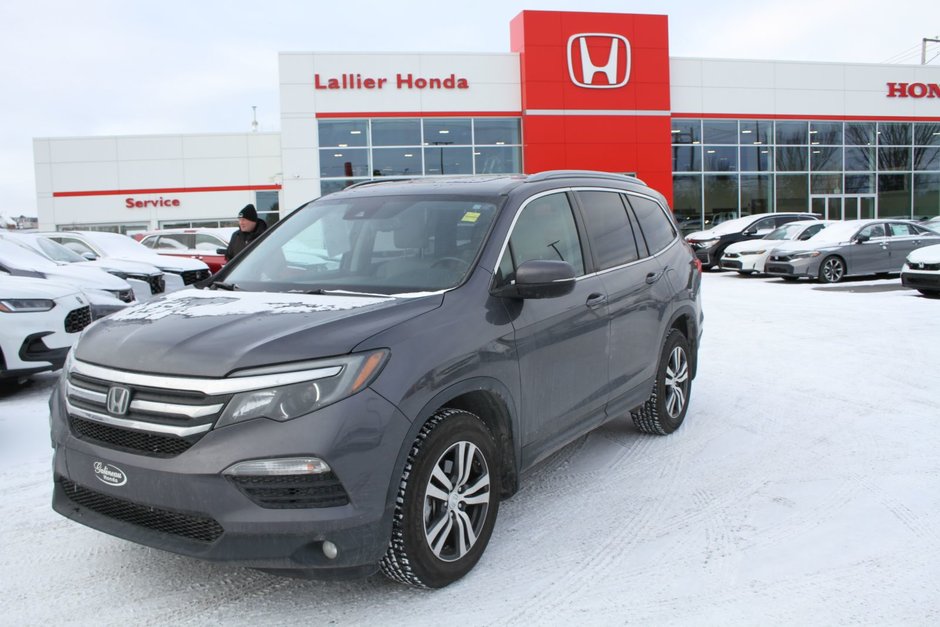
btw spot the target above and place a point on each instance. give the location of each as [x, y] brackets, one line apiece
[119, 398]
[607, 69]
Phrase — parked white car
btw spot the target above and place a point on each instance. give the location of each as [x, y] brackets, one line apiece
[748, 257]
[146, 280]
[106, 293]
[921, 271]
[178, 271]
[39, 322]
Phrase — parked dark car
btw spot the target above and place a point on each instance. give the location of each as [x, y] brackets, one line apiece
[850, 248]
[362, 388]
[710, 245]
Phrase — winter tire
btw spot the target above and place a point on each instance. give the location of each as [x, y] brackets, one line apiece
[664, 411]
[447, 502]
[831, 270]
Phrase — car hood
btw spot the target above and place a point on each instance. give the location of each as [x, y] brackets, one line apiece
[121, 265]
[754, 244]
[796, 246]
[702, 235]
[927, 254]
[167, 263]
[213, 333]
[24, 287]
[86, 278]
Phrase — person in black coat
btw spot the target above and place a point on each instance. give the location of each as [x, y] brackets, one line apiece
[250, 228]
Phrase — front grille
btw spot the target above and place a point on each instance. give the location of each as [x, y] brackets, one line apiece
[154, 421]
[294, 491]
[165, 521]
[777, 269]
[731, 264]
[152, 444]
[78, 319]
[157, 284]
[191, 276]
[933, 267]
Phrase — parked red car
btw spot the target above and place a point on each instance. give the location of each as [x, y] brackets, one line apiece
[195, 243]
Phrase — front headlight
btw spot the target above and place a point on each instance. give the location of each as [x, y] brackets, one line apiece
[752, 252]
[332, 381]
[26, 305]
[805, 254]
[117, 273]
[706, 243]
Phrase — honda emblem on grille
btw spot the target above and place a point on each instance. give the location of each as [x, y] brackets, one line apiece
[615, 68]
[119, 398]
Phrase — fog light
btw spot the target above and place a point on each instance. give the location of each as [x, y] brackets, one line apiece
[330, 550]
[278, 467]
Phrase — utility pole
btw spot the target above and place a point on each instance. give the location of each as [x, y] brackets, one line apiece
[923, 49]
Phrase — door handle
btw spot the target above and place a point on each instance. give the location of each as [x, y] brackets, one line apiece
[596, 300]
[652, 277]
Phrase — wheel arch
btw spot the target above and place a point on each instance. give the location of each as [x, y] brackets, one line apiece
[486, 398]
[684, 321]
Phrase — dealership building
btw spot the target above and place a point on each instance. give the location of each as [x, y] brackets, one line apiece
[718, 137]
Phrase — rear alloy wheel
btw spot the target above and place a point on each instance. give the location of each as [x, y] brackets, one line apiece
[447, 502]
[831, 270]
[664, 411]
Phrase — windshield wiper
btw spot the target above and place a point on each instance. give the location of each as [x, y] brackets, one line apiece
[320, 290]
[222, 285]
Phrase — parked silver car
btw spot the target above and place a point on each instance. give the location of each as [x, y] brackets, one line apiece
[850, 248]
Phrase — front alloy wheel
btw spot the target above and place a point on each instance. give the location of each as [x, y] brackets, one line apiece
[447, 502]
[831, 270]
[665, 409]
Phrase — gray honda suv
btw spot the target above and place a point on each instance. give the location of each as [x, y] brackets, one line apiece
[362, 387]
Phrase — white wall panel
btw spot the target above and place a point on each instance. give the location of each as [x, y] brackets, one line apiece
[751, 74]
[822, 76]
[150, 147]
[41, 151]
[684, 73]
[214, 146]
[215, 172]
[746, 100]
[83, 149]
[264, 170]
[150, 173]
[75, 177]
[686, 99]
[264, 145]
[43, 174]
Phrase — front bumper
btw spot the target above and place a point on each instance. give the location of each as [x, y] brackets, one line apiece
[808, 267]
[929, 281]
[184, 504]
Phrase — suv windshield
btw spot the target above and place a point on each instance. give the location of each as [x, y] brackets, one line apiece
[376, 244]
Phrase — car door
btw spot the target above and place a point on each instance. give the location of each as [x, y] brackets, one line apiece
[632, 278]
[903, 238]
[561, 342]
[870, 255]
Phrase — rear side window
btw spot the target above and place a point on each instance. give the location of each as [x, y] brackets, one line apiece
[901, 230]
[613, 241]
[544, 230]
[654, 223]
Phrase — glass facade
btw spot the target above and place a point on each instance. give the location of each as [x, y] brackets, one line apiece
[363, 149]
[729, 168]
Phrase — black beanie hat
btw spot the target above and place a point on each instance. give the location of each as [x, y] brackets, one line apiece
[249, 213]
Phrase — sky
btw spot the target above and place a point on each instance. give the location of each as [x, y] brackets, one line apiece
[801, 490]
[113, 67]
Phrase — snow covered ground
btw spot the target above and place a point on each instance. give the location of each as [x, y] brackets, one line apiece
[803, 489]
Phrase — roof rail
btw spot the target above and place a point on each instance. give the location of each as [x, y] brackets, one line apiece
[549, 175]
[377, 181]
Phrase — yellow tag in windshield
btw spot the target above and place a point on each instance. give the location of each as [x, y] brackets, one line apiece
[470, 216]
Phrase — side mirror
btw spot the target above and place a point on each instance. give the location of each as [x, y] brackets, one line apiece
[220, 251]
[861, 239]
[540, 279]
[90, 256]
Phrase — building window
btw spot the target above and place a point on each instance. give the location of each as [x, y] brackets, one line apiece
[361, 150]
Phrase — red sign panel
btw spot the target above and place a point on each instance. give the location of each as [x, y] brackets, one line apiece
[595, 93]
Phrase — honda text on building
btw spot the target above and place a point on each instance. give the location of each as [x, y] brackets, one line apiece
[364, 385]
